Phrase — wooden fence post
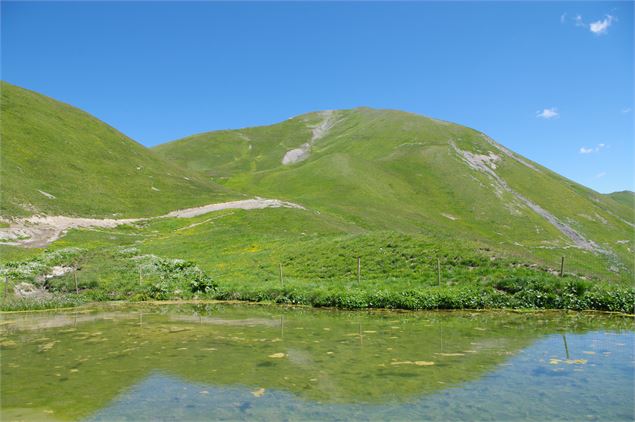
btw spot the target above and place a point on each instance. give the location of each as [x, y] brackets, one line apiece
[281, 278]
[562, 267]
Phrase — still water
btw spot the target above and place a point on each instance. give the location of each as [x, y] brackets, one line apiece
[233, 362]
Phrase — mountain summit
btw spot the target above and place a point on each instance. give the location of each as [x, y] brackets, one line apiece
[392, 170]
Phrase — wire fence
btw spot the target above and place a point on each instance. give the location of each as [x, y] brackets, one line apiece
[427, 270]
[351, 268]
[597, 268]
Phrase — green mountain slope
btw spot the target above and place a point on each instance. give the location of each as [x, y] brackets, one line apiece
[625, 197]
[57, 159]
[390, 170]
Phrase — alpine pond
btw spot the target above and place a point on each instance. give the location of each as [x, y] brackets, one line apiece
[227, 361]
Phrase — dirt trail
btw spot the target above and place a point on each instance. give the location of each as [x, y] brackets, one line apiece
[319, 131]
[39, 231]
[246, 204]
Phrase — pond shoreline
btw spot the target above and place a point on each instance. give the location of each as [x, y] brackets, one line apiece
[83, 307]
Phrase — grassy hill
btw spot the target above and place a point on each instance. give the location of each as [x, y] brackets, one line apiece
[238, 255]
[57, 159]
[440, 215]
[625, 197]
[393, 171]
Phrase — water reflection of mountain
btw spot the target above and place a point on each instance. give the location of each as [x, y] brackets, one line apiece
[326, 356]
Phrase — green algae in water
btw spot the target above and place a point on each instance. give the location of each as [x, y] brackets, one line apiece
[201, 362]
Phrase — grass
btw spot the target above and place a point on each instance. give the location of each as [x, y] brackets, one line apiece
[236, 255]
[386, 186]
[625, 197]
[14, 253]
[57, 159]
[31, 304]
[383, 170]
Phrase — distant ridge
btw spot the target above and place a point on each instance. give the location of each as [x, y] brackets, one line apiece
[625, 197]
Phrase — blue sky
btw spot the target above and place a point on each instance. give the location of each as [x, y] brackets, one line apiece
[552, 81]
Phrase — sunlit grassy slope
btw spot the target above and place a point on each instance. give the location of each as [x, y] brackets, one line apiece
[238, 247]
[625, 197]
[57, 159]
[408, 194]
[395, 171]
[242, 253]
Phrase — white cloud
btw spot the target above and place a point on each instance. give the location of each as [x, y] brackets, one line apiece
[626, 110]
[598, 148]
[548, 113]
[600, 175]
[601, 27]
[578, 21]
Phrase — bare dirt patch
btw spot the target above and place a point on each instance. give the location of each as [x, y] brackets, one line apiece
[246, 204]
[319, 131]
[486, 164]
[39, 231]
